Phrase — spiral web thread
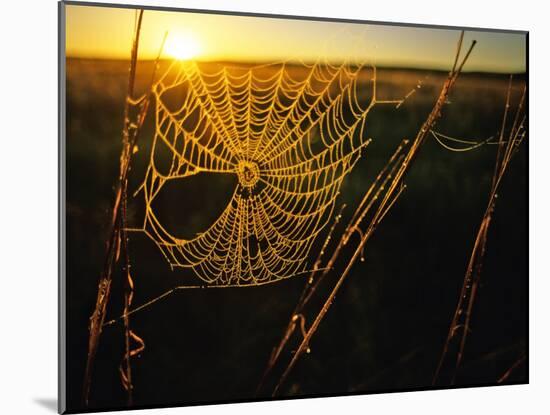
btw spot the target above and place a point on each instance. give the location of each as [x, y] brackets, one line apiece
[290, 132]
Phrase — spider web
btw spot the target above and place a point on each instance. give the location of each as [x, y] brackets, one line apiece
[290, 132]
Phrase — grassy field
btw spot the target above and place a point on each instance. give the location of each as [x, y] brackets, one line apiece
[388, 324]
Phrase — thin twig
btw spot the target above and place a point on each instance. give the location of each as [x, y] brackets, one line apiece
[314, 281]
[117, 240]
[389, 199]
[518, 363]
[461, 320]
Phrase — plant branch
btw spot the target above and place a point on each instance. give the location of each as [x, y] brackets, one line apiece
[117, 238]
[461, 320]
[394, 190]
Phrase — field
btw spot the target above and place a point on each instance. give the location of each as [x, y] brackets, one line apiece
[387, 326]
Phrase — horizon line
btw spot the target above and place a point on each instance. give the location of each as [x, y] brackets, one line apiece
[298, 61]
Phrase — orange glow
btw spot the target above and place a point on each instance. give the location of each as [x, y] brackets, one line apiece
[182, 46]
[106, 32]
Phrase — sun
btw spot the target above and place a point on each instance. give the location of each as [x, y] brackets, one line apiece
[182, 46]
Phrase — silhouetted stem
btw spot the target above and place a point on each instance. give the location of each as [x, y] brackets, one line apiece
[462, 316]
[113, 245]
[389, 199]
[517, 364]
[313, 283]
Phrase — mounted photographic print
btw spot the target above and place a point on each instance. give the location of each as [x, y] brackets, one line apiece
[258, 207]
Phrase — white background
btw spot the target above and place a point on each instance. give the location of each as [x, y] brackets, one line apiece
[28, 204]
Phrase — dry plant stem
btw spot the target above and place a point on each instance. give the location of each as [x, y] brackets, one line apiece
[364, 207]
[129, 335]
[463, 313]
[275, 353]
[313, 283]
[116, 237]
[512, 369]
[391, 195]
[125, 366]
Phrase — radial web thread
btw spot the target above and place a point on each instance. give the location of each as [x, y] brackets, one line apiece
[290, 132]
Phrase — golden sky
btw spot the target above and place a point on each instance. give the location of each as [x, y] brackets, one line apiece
[106, 32]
